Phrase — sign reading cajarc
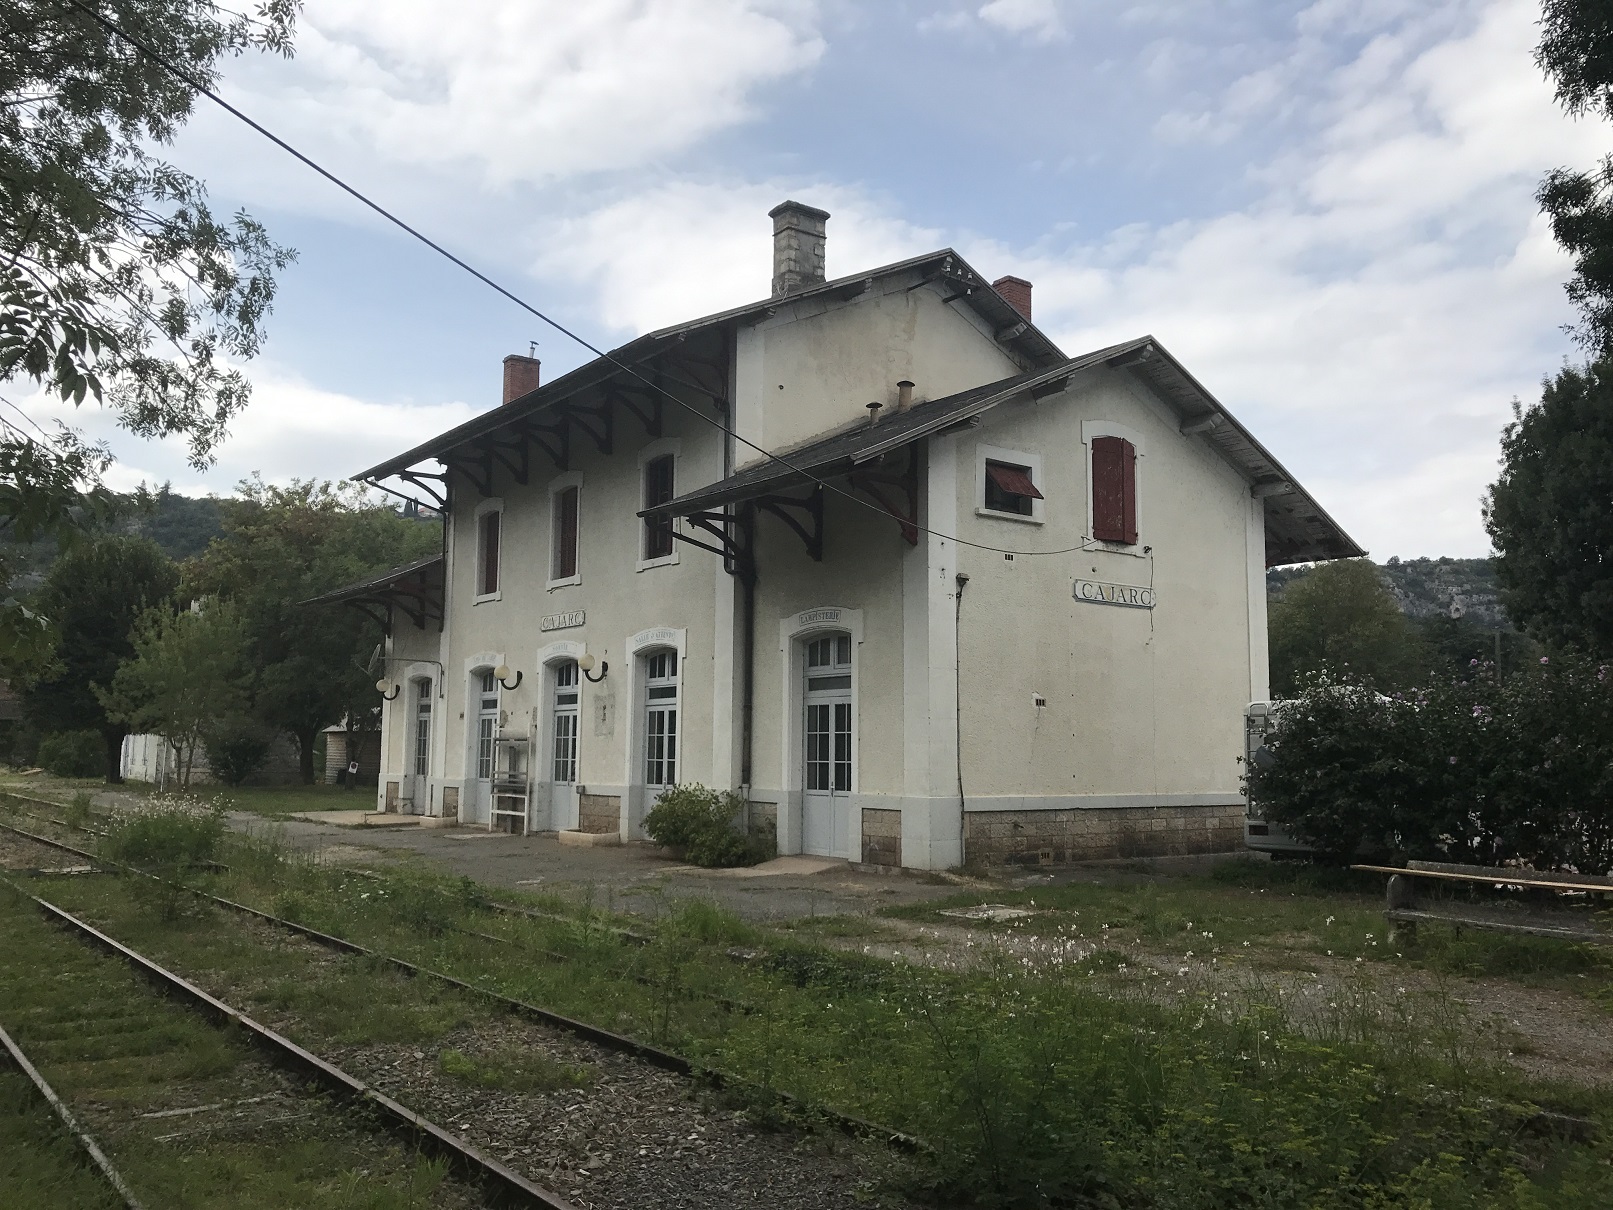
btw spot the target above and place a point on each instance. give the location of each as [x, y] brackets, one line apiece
[1132, 596]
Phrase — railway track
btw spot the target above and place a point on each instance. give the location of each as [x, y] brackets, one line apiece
[655, 1056]
[788, 1154]
[75, 1029]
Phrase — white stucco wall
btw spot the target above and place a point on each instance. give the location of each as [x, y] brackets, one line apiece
[1142, 705]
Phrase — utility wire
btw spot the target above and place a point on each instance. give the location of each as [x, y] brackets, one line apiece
[184, 76]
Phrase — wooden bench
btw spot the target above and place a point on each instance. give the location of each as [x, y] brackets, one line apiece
[1403, 914]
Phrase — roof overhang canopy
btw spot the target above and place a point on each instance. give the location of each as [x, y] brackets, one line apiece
[1298, 529]
[415, 588]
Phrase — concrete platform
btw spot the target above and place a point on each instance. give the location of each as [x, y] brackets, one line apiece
[359, 819]
[589, 840]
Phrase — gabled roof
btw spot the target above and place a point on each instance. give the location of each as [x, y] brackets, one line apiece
[943, 266]
[1298, 529]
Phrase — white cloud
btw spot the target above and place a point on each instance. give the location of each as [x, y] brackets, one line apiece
[1374, 313]
[290, 430]
[539, 90]
[686, 248]
[1036, 19]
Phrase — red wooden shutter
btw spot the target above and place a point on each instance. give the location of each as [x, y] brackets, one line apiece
[490, 524]
[566, 534]
[1114, 490]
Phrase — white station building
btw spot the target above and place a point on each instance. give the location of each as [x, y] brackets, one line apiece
[873, 551]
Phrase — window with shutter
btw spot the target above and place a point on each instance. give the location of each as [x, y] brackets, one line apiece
[487, 580]
[658, 485]
[1009, 489]
[1114, 490]
[564, 565]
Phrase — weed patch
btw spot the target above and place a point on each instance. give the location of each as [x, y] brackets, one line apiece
[513, 1071]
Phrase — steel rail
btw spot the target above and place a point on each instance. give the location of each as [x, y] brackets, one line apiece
[503, 1182]
[85, 1139]
[653, 1055]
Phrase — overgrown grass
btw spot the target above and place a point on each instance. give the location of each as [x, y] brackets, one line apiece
[514, 1071]
[118, 1052]
[41, 1166]
[1045, 1073]
[1281, 915]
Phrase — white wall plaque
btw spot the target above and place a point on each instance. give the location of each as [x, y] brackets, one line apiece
[812, 616]
[563, 621]
[1132, 596]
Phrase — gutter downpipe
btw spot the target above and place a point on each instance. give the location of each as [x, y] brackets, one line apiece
[747, 658]
[961, 579]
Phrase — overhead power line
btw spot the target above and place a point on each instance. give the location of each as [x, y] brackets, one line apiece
[181, 74]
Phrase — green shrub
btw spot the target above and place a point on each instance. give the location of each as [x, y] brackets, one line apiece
[702, 825]
[236, 750]
[73, 753]
[173, 834]
[1479, 768]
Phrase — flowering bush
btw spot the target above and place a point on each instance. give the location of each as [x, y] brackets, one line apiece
[1479, 768]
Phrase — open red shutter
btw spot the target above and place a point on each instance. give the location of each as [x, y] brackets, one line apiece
[567, 537]
[1114, 490]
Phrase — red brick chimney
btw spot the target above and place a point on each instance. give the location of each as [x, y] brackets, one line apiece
[520, 376]
[1016, 292]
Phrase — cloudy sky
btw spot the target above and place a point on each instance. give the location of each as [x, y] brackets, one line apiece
[1325, 209]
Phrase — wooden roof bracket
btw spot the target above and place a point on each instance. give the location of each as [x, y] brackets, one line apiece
[811, 506]
[889, 487]
[735, 534]
[552, 439]
[599, 422]
[650, 416]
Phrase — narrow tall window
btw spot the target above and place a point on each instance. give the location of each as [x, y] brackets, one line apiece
[487, 581]
[657, 490]
[1114, 490]
[422, 728]
[565, 721]
[565, 534]
[661, 719]
[1009, 489]
[486, 727]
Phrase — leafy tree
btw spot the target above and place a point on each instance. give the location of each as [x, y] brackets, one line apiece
[188, 675]
[1340, 616]
[1550, 514]
[95, 594]
[1576, 53]
[117, 281]
[280, 547]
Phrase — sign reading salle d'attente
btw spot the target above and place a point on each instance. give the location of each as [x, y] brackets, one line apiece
[1130, 595]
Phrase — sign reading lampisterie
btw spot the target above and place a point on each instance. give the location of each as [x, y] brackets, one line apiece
[1130, 595]
[562, 621]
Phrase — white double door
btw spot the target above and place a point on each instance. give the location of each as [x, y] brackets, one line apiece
[827, 748]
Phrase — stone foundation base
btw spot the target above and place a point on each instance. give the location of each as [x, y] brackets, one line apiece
[1093, 833]
[599, 813]
[882, 837]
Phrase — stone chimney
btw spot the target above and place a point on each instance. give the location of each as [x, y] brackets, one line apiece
[799, 235]
[520, 376]
[1016, 292]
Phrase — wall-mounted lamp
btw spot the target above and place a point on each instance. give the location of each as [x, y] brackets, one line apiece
[502, 675]
[585, 664]
[387, 689]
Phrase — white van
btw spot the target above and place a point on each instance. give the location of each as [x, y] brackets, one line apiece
[1260, 834]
